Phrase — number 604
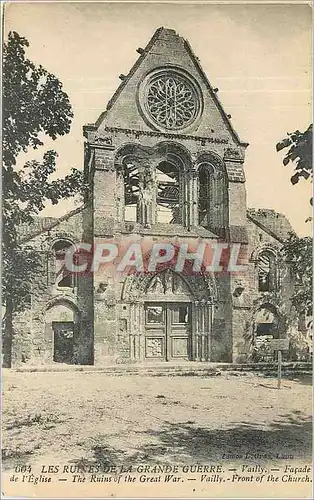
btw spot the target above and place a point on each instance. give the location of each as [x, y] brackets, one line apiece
[23, 468]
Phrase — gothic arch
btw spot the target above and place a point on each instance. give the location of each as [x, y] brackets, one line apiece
[52, 238]
[163, 276]
[200, 287]
[167, 291]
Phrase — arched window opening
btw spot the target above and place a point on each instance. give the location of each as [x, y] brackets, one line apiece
[267, 272]
[204, 194]
[63, 277]
[131, 191]
[212, 198]
[168, 193]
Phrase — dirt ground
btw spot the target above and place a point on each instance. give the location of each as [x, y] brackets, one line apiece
[76, 417]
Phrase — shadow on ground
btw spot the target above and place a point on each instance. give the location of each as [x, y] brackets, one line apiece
[302, 378]
[13, 458]
[186, 443]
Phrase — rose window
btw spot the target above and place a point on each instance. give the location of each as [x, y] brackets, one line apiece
[171, 100]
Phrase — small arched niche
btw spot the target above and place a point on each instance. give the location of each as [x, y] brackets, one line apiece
[62, 321]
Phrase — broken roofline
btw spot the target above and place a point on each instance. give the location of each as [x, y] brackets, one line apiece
[136, 65]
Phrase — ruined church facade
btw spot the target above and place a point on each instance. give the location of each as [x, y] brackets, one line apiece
[162, 163]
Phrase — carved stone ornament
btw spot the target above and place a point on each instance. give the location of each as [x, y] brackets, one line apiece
[232, 153]
[170, 99]
[149, 133]
[105, 140]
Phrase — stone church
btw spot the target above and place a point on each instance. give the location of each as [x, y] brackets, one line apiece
[163, 162]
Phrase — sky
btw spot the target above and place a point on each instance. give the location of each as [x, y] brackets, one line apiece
[258, 55]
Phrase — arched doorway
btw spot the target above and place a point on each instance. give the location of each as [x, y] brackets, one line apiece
[168, 320]
[266, 321]
[171, 316]
[266, 327]
[168, 330]
[62, 323]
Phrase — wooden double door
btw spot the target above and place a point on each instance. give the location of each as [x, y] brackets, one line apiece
[168, 331]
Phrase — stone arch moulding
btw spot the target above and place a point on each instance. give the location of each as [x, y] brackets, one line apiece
[266, 247]
[63, 301]
[51, 238]
[200, 287]
[212, 158]
[130, 149]
[262, 304]
[170, 149]
[159, 152]
[60, 271]
[146, 161]
[69, 238]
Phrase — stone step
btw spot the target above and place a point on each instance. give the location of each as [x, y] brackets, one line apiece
[184, 369]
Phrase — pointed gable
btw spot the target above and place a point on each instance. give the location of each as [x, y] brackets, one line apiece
[168, 60]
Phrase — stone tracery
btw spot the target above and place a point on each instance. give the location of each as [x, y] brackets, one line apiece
[171, 101]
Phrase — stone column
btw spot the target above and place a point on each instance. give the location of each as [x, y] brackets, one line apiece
[186, 191]
[192, 197]
[147, 194]
[202, 328]
[136, 331]
[119, 167]
[210, 309]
